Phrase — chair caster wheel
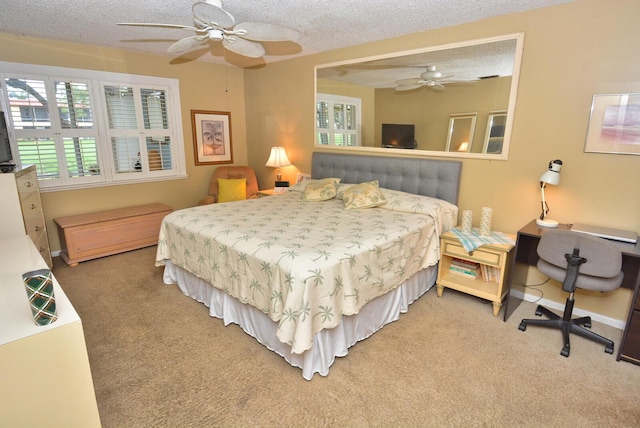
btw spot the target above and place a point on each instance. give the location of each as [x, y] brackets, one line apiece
[564, 352]
[609, 349]
[538, 313]
[587, 325]
[522, 327]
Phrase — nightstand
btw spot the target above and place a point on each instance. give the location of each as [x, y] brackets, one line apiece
[488, 281]
[268, 192]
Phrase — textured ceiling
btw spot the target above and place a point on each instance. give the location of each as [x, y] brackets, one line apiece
[324, 24]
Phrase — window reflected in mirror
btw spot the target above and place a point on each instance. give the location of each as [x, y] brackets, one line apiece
[461, 130]
[337, 120]
[494, 136]
[425, 87]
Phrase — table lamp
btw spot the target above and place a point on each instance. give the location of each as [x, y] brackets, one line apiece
[552, 176]
[278, 158]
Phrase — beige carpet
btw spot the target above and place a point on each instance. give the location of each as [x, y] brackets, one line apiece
[159, 360]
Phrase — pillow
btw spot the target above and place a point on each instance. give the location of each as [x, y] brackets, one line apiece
[344, 186]
[320, 190]
[299, 187]
[232, 189]
[363, 195]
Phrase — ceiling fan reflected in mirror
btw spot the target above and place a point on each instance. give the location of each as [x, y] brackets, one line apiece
[213, 23]
[431, 78]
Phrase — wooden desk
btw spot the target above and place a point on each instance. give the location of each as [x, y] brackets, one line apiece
[526, 255]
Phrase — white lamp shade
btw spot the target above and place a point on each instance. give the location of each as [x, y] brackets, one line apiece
[551, 177]
[277, 158]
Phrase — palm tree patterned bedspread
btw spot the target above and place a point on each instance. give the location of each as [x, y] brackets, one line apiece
[305, 264]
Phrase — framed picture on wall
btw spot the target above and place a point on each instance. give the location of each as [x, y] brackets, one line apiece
[302, 177]
[211, 137]
[614, 125]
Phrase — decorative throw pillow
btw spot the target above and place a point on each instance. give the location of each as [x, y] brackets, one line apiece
[344, 186]
[320, 190]
[232, 189]
[363, 195]
[299, 187]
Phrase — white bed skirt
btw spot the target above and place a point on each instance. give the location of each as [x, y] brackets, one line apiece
[327, 344]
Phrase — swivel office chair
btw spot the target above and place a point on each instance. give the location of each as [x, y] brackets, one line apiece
[578, 261]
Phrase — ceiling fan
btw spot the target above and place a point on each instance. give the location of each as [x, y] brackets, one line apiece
[212, 23]
[431, 78]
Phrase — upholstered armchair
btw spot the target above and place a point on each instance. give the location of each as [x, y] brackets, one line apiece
[230, 173]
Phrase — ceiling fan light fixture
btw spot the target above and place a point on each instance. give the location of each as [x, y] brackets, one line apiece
[215, 35]
[212, 23]
[427, 75]
[431, 73]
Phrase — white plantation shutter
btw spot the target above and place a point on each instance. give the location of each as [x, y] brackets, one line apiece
[93, 128]
[52, 121]
[338, 120]
[139, 129]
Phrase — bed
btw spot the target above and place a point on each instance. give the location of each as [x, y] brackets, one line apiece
[310, 279]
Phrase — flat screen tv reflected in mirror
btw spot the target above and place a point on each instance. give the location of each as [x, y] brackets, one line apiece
[398, 136]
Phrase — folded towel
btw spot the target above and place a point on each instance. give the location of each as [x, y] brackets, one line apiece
[473, 240]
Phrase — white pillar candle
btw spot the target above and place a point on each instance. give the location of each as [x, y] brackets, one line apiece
[467, 221]
[485, 221]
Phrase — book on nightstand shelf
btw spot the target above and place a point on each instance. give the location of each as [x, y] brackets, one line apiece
[490, 273]
[464, 267]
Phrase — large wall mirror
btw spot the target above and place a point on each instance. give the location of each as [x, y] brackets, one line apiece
[424, 92]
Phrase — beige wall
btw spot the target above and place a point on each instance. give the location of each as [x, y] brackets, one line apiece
[571, 52]
[430, 110]
[202, 87]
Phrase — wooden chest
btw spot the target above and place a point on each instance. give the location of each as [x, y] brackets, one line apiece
[89, 236]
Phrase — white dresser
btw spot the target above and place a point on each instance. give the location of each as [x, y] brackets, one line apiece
[44, 370]
[22, 208]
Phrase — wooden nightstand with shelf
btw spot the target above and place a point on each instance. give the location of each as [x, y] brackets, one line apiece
[270, 192]
[495, 256]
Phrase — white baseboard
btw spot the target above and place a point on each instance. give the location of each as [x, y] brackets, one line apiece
[550, 304]
[55, 253]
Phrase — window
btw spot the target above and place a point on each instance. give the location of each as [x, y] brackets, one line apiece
[337, 120]
[93, 128]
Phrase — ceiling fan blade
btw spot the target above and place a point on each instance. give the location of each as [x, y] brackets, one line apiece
[187, 44]
[243, 47]
[151, 24]
[458, 82]
[212, 15]
[407, 87]
[437, 87]
[409, 82]
[265, 32]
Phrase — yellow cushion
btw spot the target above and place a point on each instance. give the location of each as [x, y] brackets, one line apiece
[363, 195]
[320, 190]
[232, 189]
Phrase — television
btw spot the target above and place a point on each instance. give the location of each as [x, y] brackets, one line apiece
[6, 159]
[397, 136]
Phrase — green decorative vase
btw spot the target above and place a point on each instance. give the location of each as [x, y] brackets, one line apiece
[39, 286]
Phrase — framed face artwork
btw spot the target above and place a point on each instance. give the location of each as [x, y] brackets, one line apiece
[211, 137]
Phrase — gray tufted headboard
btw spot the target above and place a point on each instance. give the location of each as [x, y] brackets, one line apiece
[429, 177]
